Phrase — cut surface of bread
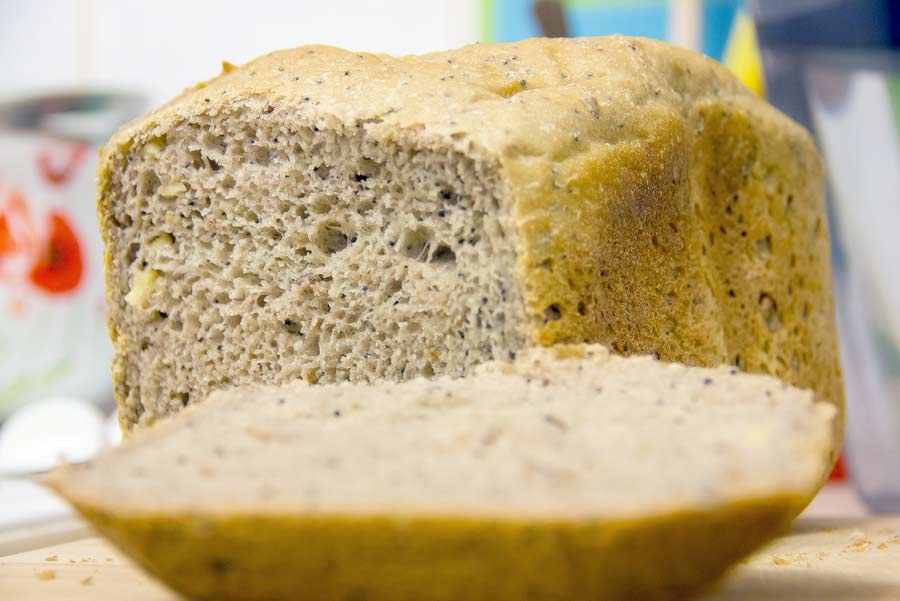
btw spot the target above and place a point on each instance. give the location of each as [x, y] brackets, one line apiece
[333, 215]
[570, 473]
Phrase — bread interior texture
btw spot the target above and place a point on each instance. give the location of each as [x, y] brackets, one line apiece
[257, 246]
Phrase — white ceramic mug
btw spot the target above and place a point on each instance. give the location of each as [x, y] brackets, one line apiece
[53, 337]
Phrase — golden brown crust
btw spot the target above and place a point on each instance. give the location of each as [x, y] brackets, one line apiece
[660, 206]
[698, 234]
[670, 556]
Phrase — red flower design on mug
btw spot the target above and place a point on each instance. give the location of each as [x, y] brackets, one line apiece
[59, 265]
[52, 260]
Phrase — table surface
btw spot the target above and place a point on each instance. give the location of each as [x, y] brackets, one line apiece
[834, 552]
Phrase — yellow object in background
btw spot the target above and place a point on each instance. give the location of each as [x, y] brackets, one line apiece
[742, 55]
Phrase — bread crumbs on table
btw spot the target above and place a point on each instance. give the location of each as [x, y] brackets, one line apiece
[46, 575]
[87, 581]
[51, 558]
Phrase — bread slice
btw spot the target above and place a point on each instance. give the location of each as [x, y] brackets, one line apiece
[570, 474]
[333, 215]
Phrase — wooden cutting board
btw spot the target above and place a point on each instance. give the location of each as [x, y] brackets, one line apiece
[854, 559]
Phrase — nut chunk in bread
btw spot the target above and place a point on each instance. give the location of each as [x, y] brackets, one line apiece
[329, 215]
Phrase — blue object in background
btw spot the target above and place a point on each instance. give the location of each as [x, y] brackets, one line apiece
[646, 19]
[718, 15]
[835, 24]
[511, 20]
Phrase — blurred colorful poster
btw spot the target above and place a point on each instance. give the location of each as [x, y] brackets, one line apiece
[706, 23]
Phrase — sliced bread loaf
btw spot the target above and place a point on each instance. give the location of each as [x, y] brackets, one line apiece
[333, 215]
[570, 474]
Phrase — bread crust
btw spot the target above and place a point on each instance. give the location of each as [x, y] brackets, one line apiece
[296, 557]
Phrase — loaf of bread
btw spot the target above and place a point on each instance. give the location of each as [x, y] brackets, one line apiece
[329, 215]
[569, 474]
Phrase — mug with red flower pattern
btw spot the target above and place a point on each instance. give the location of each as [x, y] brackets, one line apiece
[53, 338]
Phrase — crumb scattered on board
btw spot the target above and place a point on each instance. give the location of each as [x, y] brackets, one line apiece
[46, 575]
[51, 558]
[87, 581]
[858, 541]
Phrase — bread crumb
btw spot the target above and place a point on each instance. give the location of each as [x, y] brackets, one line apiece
[858, 541]
[822, 554]
[46, 575]
[799, 559]
[51, 558]
[87, 560]
[109, 559]
[87, 581]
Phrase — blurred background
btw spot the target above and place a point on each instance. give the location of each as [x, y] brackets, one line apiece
[72, 71]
